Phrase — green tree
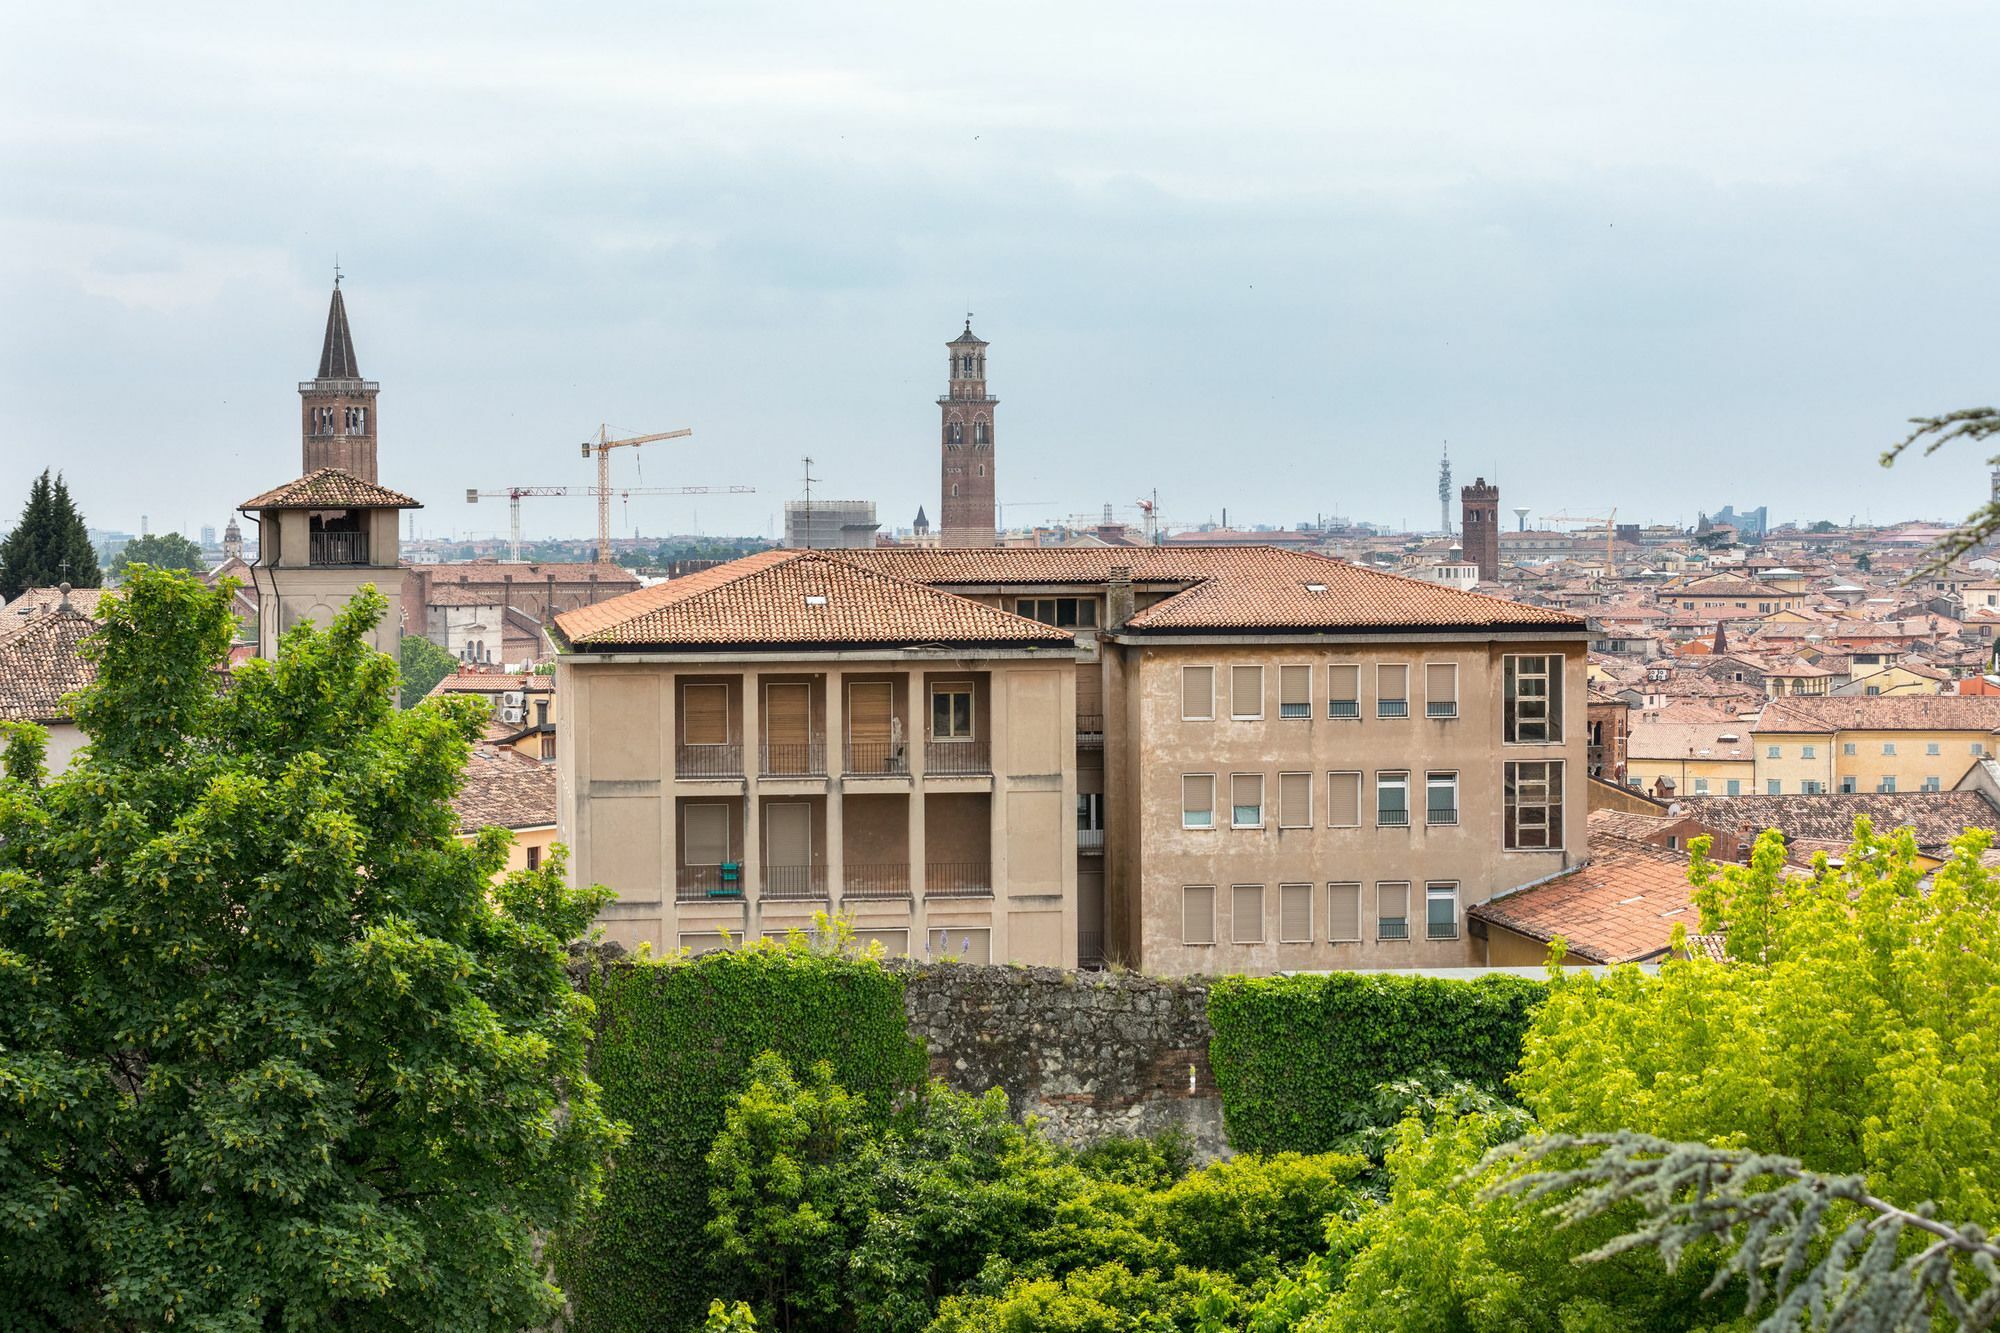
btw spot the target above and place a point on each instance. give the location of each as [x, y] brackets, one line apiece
[276, 1050]
[424, 665]
[1983, 523]
[161, 550]
[1865, 563]
[49, 545]
[1823, 525]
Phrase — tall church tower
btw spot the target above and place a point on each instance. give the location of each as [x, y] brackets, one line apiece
[337, 405]
[1479, 518]
[966, 511]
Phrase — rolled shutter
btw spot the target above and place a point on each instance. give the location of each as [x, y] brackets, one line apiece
[1198, 692]
[1198, 798]
[1246, 913]
[705, 838]
[1295, 800]
[1198, 915]
[1343, 913]
[787, 714]
[1295, 913]
[1343, 799]
[1344, 681]
[868, 709]
[1246, 691]
[1440, 683]
[707, 714]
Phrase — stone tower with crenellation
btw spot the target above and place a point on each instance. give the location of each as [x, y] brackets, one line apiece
[966, 510]
[1479, 519]
[337, 405]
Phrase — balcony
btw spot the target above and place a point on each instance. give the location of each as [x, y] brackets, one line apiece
[957, 758]
[337, 548]
[1090, 729]
[806, 760]
[708, 761]
[697, 884]
[794, 883]
[957, 879]
[885, 880]
[877, 759]
[1090, 841]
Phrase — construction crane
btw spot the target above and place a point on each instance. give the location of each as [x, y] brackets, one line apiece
[1149, 509]
[1610, 522]
[603, 445]
[514, 495]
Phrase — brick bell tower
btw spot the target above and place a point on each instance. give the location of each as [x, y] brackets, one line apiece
[966, 512]
[338, 406]
[1479, 516]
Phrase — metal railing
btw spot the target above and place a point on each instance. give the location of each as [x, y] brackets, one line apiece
[793, 761]
[1392, 928]
[1441, 708]
[957, 879]
[956, 758]
[877, 759]
[1441, 816]
[1090, 728]
[1295, 710]
[781, 882]
[700, 883]
[709, 761]
[1392, 708]
[337, 548]
[1090, 948]
[1090, 840]
[1339, 708]
[1392, 818]
[887, 879]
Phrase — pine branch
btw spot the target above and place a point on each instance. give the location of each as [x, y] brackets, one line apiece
[1972, 423]
[1822, 1250]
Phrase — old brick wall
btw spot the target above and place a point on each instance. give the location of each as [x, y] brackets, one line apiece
[1090, 1053]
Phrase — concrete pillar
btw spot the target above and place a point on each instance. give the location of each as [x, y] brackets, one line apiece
[836, 768]
[752, 854]
[917, 734]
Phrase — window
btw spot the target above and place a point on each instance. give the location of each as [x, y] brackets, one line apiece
[534, 857]
[1343, 800]
[1246, 692]
[1198, 914]
[951, 712]
[1198, 800]
[1734, 787]
[1889, 747]
[1392, 911]
[1295, 684]
[705, 835]
[1887, 784]
[1197, 693]
[1533, 700]
[541, 712]
[1090, 814]
[1931, 747]
[1295, 800]
[705, 714]
[1295, 913]
[1932, 784]
[1701, 786]
[1847, 748]
[1441, 689]
[1533, 803]
[1392, 690]
[1774, 787]
[1874, 690]
[1441, 911]
[1847, 786]
[1246, 914]
[1774, 752]
[1441, 798]
[1343, 690]
[548, 748]
[1808, 752]
[1978, 747]
[1392, 799]
[1061, 612]
[1812, 787]
[1343, 913]
[1246, 800]
[979, 435]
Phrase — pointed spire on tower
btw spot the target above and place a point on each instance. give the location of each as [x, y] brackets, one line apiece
[336, 358]
[1721, 644]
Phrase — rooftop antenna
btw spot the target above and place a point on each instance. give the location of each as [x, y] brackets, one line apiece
[810, 479]
[1444, 490]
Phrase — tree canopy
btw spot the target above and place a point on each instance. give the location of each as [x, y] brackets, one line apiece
[276, 1049]
[49, 545]
[424, 665]
[159, 550]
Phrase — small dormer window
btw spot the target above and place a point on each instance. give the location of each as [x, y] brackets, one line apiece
[1315, 587]
[815, 599]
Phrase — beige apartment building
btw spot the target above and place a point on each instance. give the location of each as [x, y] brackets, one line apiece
[1872, 743]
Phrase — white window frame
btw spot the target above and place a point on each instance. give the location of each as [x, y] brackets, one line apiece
[1440, 709]
[1234, 822]
[1554, 699]
[1257, 716]
[1360, 790]
[964, 687]
[1308, 811]
[1431, 780]
[1556, 778]
[1209, 716]
[1186, 905]
[1341, 709]
[1236, 892]
[1360, 917]
[1210, 825]
[1381, 920]
[1389, 780]
[1432, 894]
[1292, 892]
[1386, 705]
[1305, 709]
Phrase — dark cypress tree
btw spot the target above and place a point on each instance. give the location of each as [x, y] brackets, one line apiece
[49, 545]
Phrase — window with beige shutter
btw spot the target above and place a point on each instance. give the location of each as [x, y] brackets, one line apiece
[1392, 911]
[1198, 914]
[1295, 685]
[1198, 800]
[1343, 800]
[1197, 693]
[1246, 800]
[1295, 800]
[1392, 690]
[1295, 913]
[1440, 689]
[706, 709]
[1246, 914]
[1246, 692]
[705, 835]
[1343, 913]
[1343, 690]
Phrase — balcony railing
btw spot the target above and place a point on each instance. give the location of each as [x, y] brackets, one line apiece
[889, 879]
[1338, 708]
[1392, 708]
[1435, 817]
[794, 882]
[1392, 818]
[1090, 729]
[700, 883]
[1090, 841]
[1090, 948]
[956, 758]
[1441, 708]
[957, 879]
[709, 761]
[866, 759]
[337, 548]
[806, 760]
[1392, 928]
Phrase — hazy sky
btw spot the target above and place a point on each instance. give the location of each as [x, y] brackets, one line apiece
[1665, 256]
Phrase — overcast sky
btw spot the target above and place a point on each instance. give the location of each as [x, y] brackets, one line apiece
[1666, 257]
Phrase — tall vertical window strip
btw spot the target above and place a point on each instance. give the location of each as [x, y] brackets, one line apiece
[1246, 914]
[1440, 689]
[1246, 800]
[1295, 691]
[1441, 911]
[1441, 798]
[1197, 692]
[1198, 914]
[1533, 802]
[1392, 911]
[1295, 913]
[1246, 692]
[1343, 690]
[1392, 690]
[1343, 913]
[1533, 699]
[1392, 799]
[1295, 800]
[1343, 800]
[1198, 800]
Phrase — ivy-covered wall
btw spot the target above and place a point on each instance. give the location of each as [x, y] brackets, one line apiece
[1294, 1055]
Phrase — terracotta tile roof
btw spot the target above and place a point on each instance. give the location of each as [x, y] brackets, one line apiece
[1632, 826]
[40, 601]
[1690, 740]
[505, 789]
[525, 574]
[1619, 907]
[39, 664]
[797, 597]
[1935, 817]
[1882, 712]
[330, 488]
[494, 682]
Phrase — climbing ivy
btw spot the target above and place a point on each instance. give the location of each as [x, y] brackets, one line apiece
[675, 1044]
[1298, 1058]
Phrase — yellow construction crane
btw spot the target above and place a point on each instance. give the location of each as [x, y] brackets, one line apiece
[1610, 522]
[602, 446]
[514, 494]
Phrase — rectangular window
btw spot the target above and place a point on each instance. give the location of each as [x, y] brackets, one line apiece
[1063, 612]
[1979, 747]
[1392, 690]
[1533, 805]
[1812, 787]
[1246, 800]
[1847, 786]
[1246, 693]
[1198, 800]
[704, 835]
[1392, 799]
[1887, 784]
[1295, 800]
[1441, 911]
[705, 709]
[1440, 689]
[534, 858]
[951, 712]
[1295, 685]
[1773, 752]
[1701, 786]
[1343, 800]
[548, 748]
[1246, 914]
[1735, 787]
[1343, 690]
[1343, 913]
[1847, 748]
[1197, 693]
[1808, 752]
[1198, 914]
[1773, 787]
[1392, 911]
[1295, 913]
[1889, 747]
[1933, 784]
[1533, 700]
[1931, 747]
[1441, 798]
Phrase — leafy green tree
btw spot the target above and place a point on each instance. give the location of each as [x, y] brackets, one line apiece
[160, 550]
[276, 1051]
[1107, 1299]
[1865, 563]
[49, 545]
[1823, 525]
[424, 665]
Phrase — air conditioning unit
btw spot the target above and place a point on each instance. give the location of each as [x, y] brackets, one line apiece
[514, 699]
[513, 714]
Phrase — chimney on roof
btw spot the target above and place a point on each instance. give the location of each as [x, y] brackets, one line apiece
[1119, 605]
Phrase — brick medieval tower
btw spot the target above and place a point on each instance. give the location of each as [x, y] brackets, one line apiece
[1479, 516]
[966, 514]
[338, 406]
